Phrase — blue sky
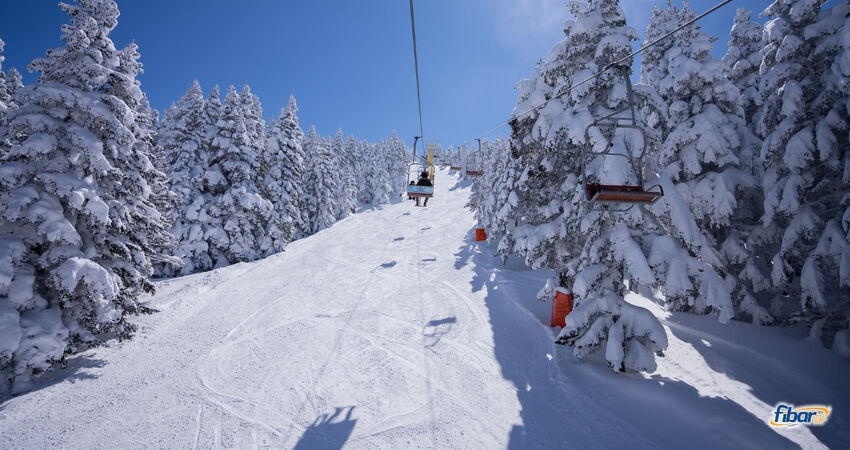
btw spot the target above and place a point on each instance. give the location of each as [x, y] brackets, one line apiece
[348, 63]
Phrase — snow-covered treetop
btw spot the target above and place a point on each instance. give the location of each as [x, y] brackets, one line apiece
[746, 41]
[87, 59]
[598, 35]
[4, 93]
[798, 12]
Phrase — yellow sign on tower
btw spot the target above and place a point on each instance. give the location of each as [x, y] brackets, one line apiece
[429, 149]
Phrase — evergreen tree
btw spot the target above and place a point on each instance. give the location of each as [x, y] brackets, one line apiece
[13, 81]
[5, 95]
[375, 187]
[321, 185]
[502, 200]
[5, 100]
[231, 178]
[183, 142]
[346, 201]
[398, 160]
[145, 186]
[284, 181]
[252, 111]
[743, 58]
[75, 257]
[700, 160]
[592, 252]
[212, 109]
[489, 161]
[803, 123]
[354, 162]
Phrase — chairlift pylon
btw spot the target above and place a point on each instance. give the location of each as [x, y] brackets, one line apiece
[606, 196]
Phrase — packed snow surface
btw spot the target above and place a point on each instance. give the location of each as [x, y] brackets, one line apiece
[394, 329]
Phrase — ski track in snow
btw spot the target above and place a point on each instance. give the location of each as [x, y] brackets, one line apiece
[393, 329]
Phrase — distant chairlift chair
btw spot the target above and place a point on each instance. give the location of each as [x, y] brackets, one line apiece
[607, 196]
[475, 170]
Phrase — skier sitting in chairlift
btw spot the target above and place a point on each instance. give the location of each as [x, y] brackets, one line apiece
[423, 181]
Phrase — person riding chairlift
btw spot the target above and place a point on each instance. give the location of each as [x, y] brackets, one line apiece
[423, 181]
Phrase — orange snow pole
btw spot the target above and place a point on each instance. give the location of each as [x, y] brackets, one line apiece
[562, 305]
[480, 234]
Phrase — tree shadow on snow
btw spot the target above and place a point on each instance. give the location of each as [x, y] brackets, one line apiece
[77, 368]
[781, 368]
[328, 431]
[567, 403]
[461, 184]
[465, 253]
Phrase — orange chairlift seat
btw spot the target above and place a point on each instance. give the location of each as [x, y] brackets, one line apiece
[476, 170]
[621, 194]
[609, 196]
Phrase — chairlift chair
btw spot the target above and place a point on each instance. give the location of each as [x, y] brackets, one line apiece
[476, 170]
[607, 197]
[423, 165]
[413, 190]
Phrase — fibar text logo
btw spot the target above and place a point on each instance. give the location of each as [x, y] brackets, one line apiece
[786, 415]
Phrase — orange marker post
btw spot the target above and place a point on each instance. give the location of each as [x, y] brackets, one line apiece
[562, 305]
[480, 234]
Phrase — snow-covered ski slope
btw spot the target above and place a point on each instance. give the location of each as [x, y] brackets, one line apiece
[393, 329]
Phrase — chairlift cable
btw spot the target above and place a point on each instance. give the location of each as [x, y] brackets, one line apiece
[416, 67]
[606, 67]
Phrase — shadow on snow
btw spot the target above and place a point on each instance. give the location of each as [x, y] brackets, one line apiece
[328, 431]
[570, 403]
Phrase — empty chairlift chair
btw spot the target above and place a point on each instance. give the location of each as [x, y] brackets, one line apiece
[612, 197]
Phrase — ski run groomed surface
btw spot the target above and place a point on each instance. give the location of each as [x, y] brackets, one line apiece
[393, 329]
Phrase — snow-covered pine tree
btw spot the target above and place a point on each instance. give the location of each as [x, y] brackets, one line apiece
[232, 179]
[488, 186]
[5, 100]
[252, 110]
[592, 252]
[704, 170]
[13, 81]
[343, 162]
[211, 114]
[284, 157]
[742, 58]
[73, 263]
[280, 224]
[354, 160]
[500, 220]
[145, 187]
[803, 123]
[375, 188]
[184, 143]
[465, 159]
[321, 184]
[5, 95]
[398, 160]
[479, 188]
[830, 245]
